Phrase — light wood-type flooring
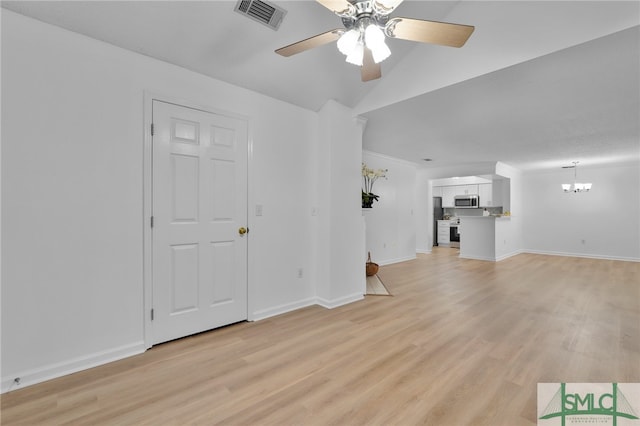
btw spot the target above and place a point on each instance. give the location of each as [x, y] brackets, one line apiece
[460, 342]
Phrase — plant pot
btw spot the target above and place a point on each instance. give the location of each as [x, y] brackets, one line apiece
[368, 199]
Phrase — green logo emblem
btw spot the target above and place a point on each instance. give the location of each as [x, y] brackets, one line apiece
[581, 402]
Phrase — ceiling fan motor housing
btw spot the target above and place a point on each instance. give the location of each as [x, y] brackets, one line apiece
[363, 14]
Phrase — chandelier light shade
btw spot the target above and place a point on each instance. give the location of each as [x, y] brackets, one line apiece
[575, 186]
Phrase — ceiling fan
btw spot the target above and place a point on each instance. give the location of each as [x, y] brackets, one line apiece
[367, 24]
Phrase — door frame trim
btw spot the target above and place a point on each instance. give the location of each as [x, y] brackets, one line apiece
[147, 207]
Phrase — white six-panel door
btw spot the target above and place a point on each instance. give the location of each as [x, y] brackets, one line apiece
[199, 212]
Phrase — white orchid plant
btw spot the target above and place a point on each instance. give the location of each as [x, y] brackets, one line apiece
[369, 177]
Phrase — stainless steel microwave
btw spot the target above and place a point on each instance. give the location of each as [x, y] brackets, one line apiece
[466, 201]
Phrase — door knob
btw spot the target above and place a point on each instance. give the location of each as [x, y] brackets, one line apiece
[243, 230]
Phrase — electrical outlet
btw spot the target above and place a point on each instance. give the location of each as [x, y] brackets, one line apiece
[300, 272]
[583, 241]
[258, 209]
[314, 211]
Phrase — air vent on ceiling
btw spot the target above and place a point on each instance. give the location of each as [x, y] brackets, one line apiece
[264, 12]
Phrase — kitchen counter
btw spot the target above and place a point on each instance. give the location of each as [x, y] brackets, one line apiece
[483, 237]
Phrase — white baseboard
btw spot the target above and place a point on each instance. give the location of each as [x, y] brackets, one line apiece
[37, 375]
[487, 258]
[492, 259]
[320, 301]
[330, 304]
[423, 251]
[508, 255]
[397, 260]
[587, 256]
[283, 309]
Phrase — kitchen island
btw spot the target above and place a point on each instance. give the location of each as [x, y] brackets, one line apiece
[484, 237]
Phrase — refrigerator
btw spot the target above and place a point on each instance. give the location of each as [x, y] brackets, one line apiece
[438, 212]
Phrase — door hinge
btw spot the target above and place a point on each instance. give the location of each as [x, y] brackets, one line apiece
[152, 129]
[151, 314]
[152, 221]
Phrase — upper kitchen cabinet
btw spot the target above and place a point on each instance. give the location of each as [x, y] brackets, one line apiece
[466, 189]
[486, 195]
[490, 194]
[449, 192]
[494, 191]
[502, 193]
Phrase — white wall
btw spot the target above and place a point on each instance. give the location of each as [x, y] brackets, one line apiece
[391, 223]
[341, 266]
[423, 212]
[509, 233]
[72, 197]
[607, 218]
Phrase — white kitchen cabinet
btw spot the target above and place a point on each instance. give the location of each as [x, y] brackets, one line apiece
[466, 189]
[443, 233]
[490, 194]
[498, 187]
[448, 194]
[485, 191]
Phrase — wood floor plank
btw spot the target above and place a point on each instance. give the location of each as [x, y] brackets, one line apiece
[461, 342]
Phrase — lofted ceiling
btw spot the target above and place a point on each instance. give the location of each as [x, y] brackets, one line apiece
[539, 83]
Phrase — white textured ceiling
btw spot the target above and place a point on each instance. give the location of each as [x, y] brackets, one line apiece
[538, 84]
[579, 104]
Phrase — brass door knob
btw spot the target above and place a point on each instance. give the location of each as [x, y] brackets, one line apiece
[242, 230]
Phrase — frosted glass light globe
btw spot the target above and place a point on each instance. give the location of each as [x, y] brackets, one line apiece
[356, 55]
[374, 38]
[348, 41]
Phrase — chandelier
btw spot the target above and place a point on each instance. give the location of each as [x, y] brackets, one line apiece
[575, 186]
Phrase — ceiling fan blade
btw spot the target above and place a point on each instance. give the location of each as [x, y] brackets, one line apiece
[339, 7]
[310, 43]
[370, 70]
[454, 35]
[385, 7]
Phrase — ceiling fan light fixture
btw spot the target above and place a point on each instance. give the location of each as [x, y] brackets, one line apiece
[348, 41]
[380, 52]
[373, 35]
[367, 25]
[357, 54]
[374, 38]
